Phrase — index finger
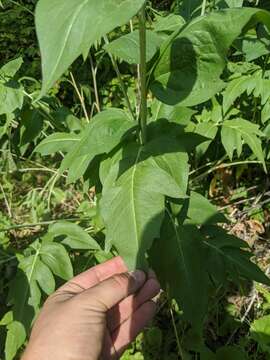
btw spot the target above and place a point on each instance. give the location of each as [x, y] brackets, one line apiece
[100, 273]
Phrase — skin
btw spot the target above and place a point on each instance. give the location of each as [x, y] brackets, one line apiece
[95, 316]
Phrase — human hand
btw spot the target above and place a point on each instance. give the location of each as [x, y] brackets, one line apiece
[95, 315]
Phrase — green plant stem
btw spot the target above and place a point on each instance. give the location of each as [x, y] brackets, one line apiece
[143, 70]
[203, 7]
[80, 96]
[121, 82]
[94, 77]
[6, 201]
[179, 347]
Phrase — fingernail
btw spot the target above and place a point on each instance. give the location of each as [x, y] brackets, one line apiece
[138, 275]
[157, 297]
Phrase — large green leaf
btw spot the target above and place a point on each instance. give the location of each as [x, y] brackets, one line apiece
[67, 29]
[105, 131]
[178, 259]
[76, 237]
[133, 203]
[127, 47]
[192, 61]
[171, 156]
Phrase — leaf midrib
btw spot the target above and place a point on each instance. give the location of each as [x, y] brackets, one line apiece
[182, 254]
[74, 18]
[133, 195]
[36, 256]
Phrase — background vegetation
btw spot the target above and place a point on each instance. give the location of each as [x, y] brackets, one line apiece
[34, 196]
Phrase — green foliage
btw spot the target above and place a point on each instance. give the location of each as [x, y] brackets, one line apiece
[133, 179]
[260, 332]
[127, 47]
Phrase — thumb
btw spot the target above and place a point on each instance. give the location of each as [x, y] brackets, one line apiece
[110, 292]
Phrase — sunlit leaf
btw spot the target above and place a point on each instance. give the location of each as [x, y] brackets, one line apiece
[85, 22]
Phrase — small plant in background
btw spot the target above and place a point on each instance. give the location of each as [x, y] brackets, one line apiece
[192, 89]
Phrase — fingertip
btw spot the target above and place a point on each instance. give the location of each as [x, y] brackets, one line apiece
[151, 274]
[138, 276]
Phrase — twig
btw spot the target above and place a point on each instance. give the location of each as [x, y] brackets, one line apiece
[6, 201]
[80, 96]
[42, 223]
[250, 305]
[179, 347]
[42, 167]
[121, 82]
[22, 6]
[225, 165]
[203, 7]
[51, 189]
[239, 202]
[94, 76]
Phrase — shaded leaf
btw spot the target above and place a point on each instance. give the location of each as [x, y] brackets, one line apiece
[236, 88]
[209, 130]
[178, 114]
[236, 259]
[192, 61]
[232, 353]
[202, 212]
[178, 259]
[31, 125]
